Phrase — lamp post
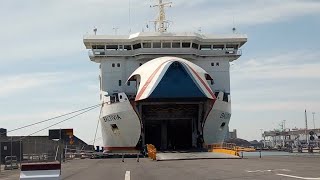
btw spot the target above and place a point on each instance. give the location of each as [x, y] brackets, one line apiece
[314, 124]
[262, 138]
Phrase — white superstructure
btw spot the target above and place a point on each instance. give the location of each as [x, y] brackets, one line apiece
[155, 82]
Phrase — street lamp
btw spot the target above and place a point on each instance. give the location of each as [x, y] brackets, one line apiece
[314, 124]
[262, 138]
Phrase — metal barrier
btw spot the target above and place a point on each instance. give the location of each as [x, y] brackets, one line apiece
[228, 148]
[47, 171]
[10, 163]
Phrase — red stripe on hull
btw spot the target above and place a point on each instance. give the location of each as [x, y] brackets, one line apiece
[148, 82]
[203, 83]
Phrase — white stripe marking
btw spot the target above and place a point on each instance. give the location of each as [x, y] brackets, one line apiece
[127, 175]
[269, 170]
[298, 177]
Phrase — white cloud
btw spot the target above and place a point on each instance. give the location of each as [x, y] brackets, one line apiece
[55, 28]
[285, 82]
[13, 84]
[276, 105]
[16, 83]
[300, 64]
[220, 15]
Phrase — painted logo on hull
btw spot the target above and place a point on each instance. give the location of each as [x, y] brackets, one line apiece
[111, 118]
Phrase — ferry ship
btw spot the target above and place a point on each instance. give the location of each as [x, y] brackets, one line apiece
[168, 89]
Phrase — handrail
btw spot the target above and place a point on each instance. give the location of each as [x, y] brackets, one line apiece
[230, 146]
[142, 51]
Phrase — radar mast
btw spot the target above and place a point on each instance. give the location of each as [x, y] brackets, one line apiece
[161, 24]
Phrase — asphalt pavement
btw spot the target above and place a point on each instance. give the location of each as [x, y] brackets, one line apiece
[273, 167]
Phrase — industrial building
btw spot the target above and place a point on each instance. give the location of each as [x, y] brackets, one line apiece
[291, 138]
[26, 148]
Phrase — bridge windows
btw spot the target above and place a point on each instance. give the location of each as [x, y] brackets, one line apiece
[231, 46]
[146, 45]
[205, 47]
[218, 47]
[127, 47]
[137, 46]
[98, 47]
[217, 64]
[166, 45]
[176, 44]
[128, 83]
[212, 64]
[118, 65]
[120, 83]
[156, 44]
[186, 45]
[195, 46]
[111, 47]
[113, 65]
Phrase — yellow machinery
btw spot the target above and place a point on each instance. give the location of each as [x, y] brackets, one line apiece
[228, 148]
[152, 151]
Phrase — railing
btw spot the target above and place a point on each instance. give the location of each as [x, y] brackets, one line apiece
[159, 51]
[228, 148]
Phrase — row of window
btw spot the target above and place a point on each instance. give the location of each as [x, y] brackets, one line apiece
[140, 64]
[119, 65]
[215, 64]
[128, 83]
[173, 44]
[113, 65]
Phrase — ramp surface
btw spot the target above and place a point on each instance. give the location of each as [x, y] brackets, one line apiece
[194, 155]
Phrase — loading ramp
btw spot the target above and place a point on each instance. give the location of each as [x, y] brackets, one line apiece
[193, 156]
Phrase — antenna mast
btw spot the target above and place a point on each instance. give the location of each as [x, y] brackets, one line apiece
[161, 24]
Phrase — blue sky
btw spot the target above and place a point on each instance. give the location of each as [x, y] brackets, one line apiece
[45, 70]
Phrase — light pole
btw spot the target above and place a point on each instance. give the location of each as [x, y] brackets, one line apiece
[262, 138]
[283, 130]
[314, 124]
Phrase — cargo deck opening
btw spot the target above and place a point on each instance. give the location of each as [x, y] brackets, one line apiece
[171, 126]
